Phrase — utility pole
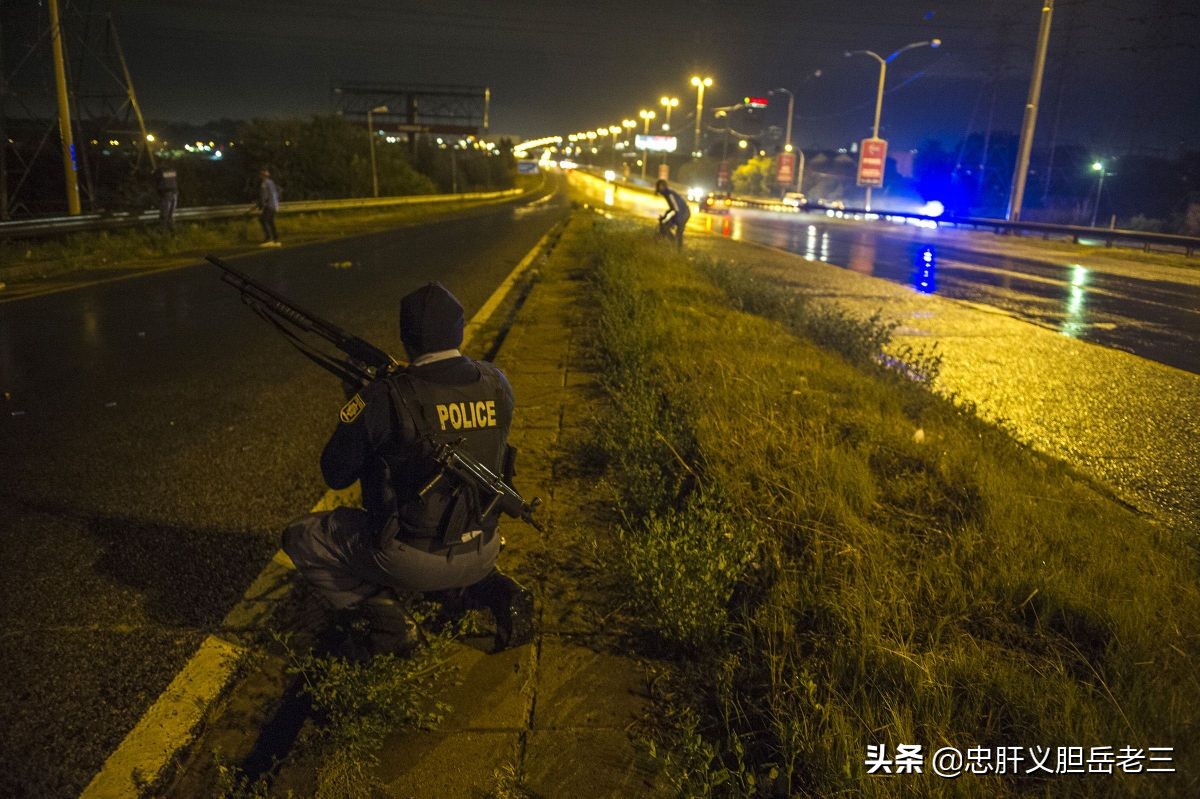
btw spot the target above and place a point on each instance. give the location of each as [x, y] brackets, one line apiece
[3, 137]
[64, 112]
[1021, 172]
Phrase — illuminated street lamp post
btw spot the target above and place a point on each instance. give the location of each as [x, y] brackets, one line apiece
[628, 124]
[1098, 166]
[701, 84]
[615, 130]
[646, 116]
[787, 136]
[591, 137]
[668, 103]
[379, 109]
[883, 62]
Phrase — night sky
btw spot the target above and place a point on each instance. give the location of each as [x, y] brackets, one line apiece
[1121, 74]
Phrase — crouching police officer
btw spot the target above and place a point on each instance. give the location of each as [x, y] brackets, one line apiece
[415, 535]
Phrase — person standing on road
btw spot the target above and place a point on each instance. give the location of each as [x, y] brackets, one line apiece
[167, 185]
[410, 539]
[268, 205]
[675, 218]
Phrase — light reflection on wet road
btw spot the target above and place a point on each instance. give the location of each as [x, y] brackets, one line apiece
[1119, 416]
[1156, 319]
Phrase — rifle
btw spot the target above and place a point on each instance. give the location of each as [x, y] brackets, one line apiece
[452, 460]
[366, 362]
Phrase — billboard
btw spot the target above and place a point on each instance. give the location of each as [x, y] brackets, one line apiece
[657, 144]
[872, 157]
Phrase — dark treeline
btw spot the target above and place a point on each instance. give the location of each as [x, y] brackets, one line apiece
[324, 157]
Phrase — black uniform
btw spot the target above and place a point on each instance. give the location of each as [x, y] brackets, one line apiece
[398, 539]
[401, 540]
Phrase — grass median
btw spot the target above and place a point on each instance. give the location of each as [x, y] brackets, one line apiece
[832, 557]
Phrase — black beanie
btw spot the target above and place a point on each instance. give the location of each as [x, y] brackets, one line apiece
[431, 320]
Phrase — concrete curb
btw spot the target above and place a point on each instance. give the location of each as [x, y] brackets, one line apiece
[175, 720]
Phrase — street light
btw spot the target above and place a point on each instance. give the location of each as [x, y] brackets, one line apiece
[1098, 166]
[646, 115]
[668, 103]
[787, 137]
[379, 109]
[615, 130]
[883, 62]
[701, 84]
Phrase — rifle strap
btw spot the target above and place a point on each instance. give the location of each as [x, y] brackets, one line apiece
[401, 390]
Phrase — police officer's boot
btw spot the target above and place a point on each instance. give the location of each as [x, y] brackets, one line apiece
[391, 629]
[511, 606]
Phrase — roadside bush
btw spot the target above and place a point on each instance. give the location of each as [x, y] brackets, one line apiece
[683, 568]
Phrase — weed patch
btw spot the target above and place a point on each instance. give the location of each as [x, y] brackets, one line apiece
[355, 706]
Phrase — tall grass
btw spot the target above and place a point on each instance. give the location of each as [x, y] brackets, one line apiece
[833, 557]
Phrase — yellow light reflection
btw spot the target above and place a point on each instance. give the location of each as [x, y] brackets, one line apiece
[1073, 323]
[862, 256]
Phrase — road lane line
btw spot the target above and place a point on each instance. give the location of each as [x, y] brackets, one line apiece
[173, 721]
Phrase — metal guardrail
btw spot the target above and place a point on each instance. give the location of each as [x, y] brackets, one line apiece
[54, 226]
[1189, 244]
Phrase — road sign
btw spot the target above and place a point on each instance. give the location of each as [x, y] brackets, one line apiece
[754, 102]
[527, 167]
[872, 157]
[785, 168]
[664, 172]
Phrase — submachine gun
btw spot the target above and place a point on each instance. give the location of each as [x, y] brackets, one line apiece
[363, 363]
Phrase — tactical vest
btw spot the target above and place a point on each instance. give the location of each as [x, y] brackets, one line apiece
[479, 414]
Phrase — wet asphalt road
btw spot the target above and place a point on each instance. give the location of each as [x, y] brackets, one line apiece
[1152, 318]
[1106, 378]
[155, 437]
[1126, 412]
